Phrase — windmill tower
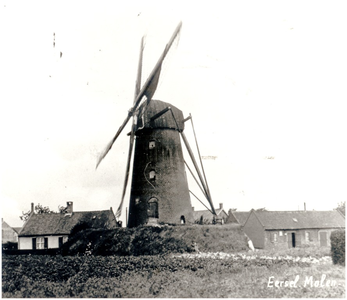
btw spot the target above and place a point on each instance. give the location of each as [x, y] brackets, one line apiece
[159, 189]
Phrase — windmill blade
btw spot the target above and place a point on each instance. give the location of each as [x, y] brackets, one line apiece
[110, 144]
[132, 138]
[147, 90]
[139, 72]
[152, 81]
[132, 133]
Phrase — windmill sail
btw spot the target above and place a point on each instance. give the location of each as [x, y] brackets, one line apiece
[147, 90]
[132, 137]
[132, 134]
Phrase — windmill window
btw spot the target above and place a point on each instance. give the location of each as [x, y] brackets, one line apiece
[152, 175]
[152, 210]
[183, 220]
[151, 145]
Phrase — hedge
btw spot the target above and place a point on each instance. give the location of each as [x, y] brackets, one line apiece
[337, 239]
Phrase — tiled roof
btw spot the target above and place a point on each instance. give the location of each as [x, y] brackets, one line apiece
[241, 216]
[300, 219]
[56, 223]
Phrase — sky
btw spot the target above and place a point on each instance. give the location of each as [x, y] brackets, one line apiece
[265, 83]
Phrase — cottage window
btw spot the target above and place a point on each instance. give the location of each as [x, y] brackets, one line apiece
[273, 237]
[40, 243]
[308, 237]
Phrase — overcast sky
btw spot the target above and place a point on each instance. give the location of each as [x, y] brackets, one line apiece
[265, 82]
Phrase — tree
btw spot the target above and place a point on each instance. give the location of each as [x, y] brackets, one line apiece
[341, 207]
[39, 209]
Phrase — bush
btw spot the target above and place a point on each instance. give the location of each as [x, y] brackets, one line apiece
[337, 239]
[154, 240]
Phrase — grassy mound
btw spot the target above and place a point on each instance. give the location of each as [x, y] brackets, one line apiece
[154, 240]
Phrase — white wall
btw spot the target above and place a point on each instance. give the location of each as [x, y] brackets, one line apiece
[25, 243]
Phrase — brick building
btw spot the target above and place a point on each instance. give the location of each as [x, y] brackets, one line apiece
[287, 229]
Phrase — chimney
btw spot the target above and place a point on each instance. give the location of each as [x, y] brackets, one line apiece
[304, 206]
[32, 208]
[193, 208]
[69, 207]
[220, 205]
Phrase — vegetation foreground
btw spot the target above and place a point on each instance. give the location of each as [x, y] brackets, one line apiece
[200, 275]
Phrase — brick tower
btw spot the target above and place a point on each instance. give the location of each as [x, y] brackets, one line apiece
[159, 189]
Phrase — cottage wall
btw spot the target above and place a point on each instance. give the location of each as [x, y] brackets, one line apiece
[255, 231]
[25, 243]
[283, 239]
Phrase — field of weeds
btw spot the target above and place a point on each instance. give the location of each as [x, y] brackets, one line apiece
[196, 275]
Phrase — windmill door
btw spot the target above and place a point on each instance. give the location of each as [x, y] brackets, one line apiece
[152, 211]
[323, 237]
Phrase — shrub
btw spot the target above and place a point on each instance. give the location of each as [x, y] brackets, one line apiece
[337, 239]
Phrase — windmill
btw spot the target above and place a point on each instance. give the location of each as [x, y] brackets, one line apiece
[159, 188]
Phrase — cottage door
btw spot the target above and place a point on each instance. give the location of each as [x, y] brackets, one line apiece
[323, 239]
[291, 240]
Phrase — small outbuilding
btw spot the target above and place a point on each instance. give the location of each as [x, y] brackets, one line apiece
[206, 216]
[52, 230]
[290, 229]
[9, 234]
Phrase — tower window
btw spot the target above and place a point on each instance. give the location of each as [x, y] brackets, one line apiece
[183, 220]
[151, 145]
[152, 175]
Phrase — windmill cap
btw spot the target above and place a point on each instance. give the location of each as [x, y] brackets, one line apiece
[172, 118]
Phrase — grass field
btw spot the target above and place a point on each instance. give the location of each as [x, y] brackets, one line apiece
[261, 274]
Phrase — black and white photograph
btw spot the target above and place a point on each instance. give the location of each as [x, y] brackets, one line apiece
[173, 149]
